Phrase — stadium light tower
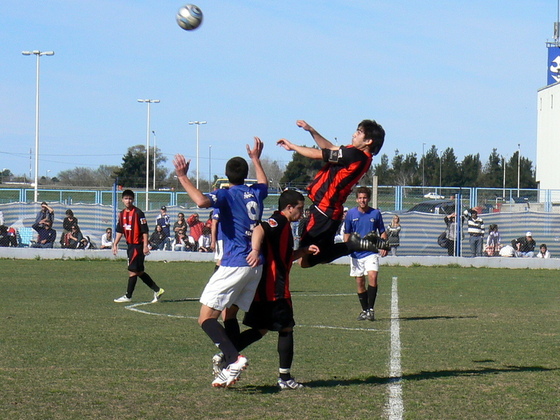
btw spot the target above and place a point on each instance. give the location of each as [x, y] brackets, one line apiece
[155, 164]
[148, 101]
[197, 149]
[37, 54]
[518, 167]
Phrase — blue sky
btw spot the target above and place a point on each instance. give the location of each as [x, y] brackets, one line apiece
[461, 74]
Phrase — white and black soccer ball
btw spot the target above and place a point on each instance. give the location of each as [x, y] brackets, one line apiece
[189, 17]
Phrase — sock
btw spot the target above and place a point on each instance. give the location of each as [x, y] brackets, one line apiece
[218, 335]
[372, 295]
[248, 337]
[286, 351]
[284, 374]
[363, 297]
[131, 285]
[149, 282]
[232, 330]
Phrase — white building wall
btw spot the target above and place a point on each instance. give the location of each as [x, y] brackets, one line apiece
[548, 139]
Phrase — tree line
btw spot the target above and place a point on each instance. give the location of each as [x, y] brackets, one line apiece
[432, 169]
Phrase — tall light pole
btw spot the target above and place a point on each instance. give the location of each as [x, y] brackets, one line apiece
[197, 123]
[504, 180]
[518, 168]
[155, 163]
[37, 54]
[210, 167]
[148, 101]
[440, 156]
[423, 164]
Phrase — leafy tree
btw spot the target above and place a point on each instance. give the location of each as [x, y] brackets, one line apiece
[450, 173]
[492, 172]
[86, 177]
[471, 169]
[133, 170]
[382, 170]
[300, 170]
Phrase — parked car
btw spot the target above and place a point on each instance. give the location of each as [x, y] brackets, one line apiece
[434, 207]
[434, 196]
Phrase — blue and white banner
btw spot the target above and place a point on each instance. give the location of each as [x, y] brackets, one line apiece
[553, 65]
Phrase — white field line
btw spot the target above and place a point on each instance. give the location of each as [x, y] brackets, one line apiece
[395, 407]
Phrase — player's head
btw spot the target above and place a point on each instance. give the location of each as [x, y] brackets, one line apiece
[128, 197]
[373, 132]
[363, 196]
[237, 170]
[291, 203]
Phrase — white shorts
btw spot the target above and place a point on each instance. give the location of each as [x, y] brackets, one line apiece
[231, 286]
[219, 251]
[360, 266]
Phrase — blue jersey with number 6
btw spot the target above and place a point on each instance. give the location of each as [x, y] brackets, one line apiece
[241, 210]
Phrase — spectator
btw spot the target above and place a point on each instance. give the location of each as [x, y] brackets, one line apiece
[181, 223]
[107, 239]
[46, 213]
[181, 241]
[8, 236]
[493, 242]
[450, 239]
[301, 227]
[164, 221]
[339, 237]
[46, 234]
[157, 239]
[67, 223]
[543, 252]
[475, 226]
[394, 231]
[196, 226]
[75, 238]
[205, 240]
[524, 246]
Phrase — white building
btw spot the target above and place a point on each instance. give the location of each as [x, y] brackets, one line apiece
[548, 140]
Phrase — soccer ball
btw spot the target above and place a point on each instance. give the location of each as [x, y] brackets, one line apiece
[189, 17]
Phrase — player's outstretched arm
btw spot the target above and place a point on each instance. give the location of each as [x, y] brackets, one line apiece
[309, 152]
[256, 242]
[181, 169]
[255, 156]
[322, 142]
[299, 253]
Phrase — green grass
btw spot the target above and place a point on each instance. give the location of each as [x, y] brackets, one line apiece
[476, 343]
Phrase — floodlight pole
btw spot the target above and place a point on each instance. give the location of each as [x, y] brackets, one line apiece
[518, 168]
[197, 123]
[37, 54]
[148, 101]
[155, 164]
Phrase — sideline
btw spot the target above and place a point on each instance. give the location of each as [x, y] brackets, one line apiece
[395, 407]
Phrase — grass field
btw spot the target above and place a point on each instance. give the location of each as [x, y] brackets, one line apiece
[475, 344]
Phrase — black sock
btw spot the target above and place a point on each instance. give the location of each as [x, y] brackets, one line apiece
[217, 334]
[131, 285]
[363, 297]
[248, 337]
[286, 352]
[149, 282]
[232, 330]
[372, 295]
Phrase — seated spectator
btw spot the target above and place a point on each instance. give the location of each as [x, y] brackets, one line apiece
[196, 226]
[339, 237]
[493, 241]
[46, 234]
[164, 221]
[75, 239]
[7, 236]
[205, 240]
[524, 246]
[181, 242]
[67, 223]
[543, 252]
[157, 239]
[107, 239]
[181, 223]
[507, 251]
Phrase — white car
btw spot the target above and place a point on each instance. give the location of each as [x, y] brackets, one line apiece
[434, 196]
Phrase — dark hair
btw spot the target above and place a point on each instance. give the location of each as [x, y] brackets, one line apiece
[128, 193]
[69, 213]
[363, 190]
[373, 131]
[237, 170]
[289, 197]
[543, 246]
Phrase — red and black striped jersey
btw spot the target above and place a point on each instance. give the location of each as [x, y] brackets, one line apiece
[132, 224]
[334, 182]
[277, 249]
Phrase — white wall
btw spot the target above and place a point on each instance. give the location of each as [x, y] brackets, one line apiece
[548, 139]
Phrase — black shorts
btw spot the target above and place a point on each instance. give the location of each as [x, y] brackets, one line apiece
[273, 316]
[320, 230]
[135, 258]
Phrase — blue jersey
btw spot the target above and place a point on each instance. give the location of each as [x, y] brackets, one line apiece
[362, 224]
[241, 210]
